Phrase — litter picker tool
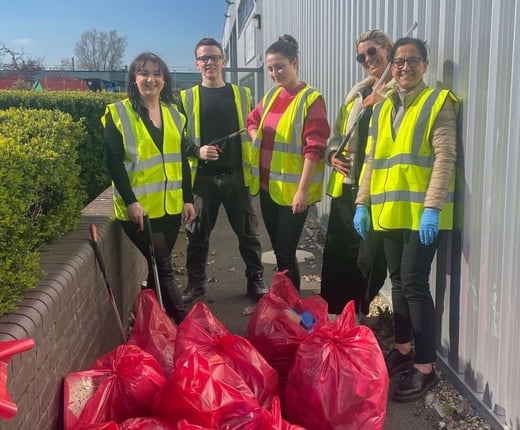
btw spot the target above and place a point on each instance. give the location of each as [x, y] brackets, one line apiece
[341, 148]
[154, 262]
[99, 258]
[229, 136]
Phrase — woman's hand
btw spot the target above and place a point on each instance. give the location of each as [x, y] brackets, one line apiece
[341, 166]
[188, 213]
[136, 214]
[300, 202]
[372, 99]
[253, 132]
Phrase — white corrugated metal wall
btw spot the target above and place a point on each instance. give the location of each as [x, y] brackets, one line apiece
[474, 51]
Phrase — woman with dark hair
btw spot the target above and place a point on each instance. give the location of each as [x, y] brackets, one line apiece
[354, 269]
[289, 129]
[406, 192]
[150, 175]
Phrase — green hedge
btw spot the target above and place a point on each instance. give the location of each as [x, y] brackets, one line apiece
[41, 194]
[81, 105]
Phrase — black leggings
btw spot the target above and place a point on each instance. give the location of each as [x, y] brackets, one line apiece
[163, 243]
[284, 229]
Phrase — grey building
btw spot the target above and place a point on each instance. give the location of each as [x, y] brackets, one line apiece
[473, 51]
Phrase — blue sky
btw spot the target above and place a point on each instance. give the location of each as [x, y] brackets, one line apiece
[170, 28]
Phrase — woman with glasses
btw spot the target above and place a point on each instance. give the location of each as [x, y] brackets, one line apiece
[150, 174]
[352, 270]
[406, 192]
[289, 129]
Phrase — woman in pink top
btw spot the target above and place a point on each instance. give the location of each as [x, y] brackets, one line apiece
[289, 128]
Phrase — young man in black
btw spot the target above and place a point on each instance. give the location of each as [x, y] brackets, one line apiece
[216, 109]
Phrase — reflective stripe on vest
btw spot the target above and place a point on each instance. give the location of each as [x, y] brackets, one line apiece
[155, 178]
[191, 103]
[335, 184]
[402, 166]
[287, 158]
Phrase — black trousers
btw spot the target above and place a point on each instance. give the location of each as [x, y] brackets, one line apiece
[210, 192]
[163, 243]
[409, 265]
[284, 229]
[353, 269]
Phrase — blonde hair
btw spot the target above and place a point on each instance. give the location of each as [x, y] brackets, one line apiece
[378, 36]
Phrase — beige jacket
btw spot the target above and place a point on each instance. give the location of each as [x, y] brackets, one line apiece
[444, 141]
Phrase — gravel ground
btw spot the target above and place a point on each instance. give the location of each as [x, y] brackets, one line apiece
[453, 411]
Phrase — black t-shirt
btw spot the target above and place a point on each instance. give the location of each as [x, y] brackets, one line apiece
[218, 118]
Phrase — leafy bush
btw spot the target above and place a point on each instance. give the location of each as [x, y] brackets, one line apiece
[83, 106]
[41, 195]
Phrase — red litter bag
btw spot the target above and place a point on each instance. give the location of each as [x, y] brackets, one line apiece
[146, 424]
[202, 332]
[207, 392]
[278, 422]
[153, 330]
[111, 425]
[340, 375]
[131, 424]
[120, 385]
[8, 348]
[272, 329]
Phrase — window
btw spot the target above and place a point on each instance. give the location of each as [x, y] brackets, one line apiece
[244, 10]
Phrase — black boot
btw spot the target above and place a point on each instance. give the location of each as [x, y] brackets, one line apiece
[170, 292]
[255, 286]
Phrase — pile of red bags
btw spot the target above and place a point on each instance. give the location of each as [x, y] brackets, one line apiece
[293, 366]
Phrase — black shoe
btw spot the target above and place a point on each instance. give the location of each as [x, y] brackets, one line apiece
[191, 294]
[397, 362]
[256, 287]
[413, 384]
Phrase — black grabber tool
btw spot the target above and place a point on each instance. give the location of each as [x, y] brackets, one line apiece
[99, 258]
[148, 228]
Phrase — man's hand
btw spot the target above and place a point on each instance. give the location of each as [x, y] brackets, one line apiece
[188, 213]
[208, 153]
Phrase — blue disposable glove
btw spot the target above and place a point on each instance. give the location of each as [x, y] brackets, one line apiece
[362, 221]
[429, 226]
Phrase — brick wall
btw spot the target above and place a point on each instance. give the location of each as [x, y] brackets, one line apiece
[69, 315]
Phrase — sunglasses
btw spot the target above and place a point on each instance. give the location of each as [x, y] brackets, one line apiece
[372, 51]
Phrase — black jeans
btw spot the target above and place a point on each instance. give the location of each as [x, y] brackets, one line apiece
[163, 243]
[409, 265]
[284, 229]
[209, 193]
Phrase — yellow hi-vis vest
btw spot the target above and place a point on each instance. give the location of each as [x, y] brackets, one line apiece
[156, 178]
[402, 166]
[287, 158]
[190, 99]
[335, 184]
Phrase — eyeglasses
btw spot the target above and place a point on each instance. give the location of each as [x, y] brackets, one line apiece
[372, 51]
[205, 58]
[413, 62]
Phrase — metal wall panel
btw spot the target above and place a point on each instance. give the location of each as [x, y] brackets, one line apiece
[474, 50]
